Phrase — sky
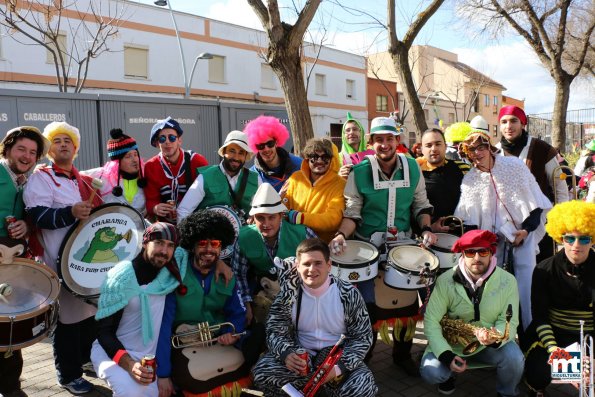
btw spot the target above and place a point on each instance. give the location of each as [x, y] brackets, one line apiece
[509, 60]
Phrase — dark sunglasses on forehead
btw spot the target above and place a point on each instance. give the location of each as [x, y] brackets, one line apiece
[315, 157]
[268, 144]
[470, 253]
[171, 138]
[582, 240]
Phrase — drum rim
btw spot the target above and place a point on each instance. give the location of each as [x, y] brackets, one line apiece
[434, 266]
[440, 248]
[49, 301]
[84, 292]
[236, 216]
[373, 263]
[373, 273]
[416, 274]
[374, 258]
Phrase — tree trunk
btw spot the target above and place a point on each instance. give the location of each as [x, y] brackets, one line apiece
[400, 57]
[291, 76]
[559, 115]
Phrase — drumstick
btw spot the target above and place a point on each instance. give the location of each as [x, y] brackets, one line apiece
[96, 184]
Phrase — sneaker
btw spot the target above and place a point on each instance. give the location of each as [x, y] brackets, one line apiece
[78, 386]
[447, 387]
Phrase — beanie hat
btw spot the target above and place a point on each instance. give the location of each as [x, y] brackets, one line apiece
[514, 111]
[476, 238]
[162, 124]
[161, 231]
[119, 144]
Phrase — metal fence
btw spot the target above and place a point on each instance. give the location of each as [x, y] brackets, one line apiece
[580, 127]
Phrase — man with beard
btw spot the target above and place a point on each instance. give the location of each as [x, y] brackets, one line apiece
[266, 136]
[258, 244]
[171, 172]
[443, 177]
[130, 311]
[227, 183]
[314, 195]
[21, 149]
[56, 197]
[538, 155]
[205, 299]
[475, 291]
[384, 194]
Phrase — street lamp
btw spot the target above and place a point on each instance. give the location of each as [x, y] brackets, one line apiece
[204, 55]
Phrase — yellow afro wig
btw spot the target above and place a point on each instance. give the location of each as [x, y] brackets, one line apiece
[457, 132]
[571, 216]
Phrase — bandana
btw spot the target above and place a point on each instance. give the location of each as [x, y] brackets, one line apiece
[514, 111]
[161, 231]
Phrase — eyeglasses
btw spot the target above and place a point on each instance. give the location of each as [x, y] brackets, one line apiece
[268, 144]
[582, 240]
[478, 148]
[171, 138]
[214, 243]
[315, 157]
[470, 253]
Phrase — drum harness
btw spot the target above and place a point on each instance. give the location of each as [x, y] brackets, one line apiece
[237, 197]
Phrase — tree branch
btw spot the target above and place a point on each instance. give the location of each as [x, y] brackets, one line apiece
[419, 22]
[296, 35]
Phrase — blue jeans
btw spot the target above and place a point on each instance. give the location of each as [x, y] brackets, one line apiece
[508, 360]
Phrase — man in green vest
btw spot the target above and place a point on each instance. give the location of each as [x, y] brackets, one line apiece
[203, 298]
[227, 183]
[258, 244]
[382, 195]
[21, 149]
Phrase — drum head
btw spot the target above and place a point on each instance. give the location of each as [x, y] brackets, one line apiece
[357, 253]
[112, 233]
[25, 287]
[445, 241]
[412, 258]
[234, 219]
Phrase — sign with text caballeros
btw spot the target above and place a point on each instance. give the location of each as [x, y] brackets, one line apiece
[112, 233]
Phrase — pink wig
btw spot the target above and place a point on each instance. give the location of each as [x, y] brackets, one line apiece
[263, 129]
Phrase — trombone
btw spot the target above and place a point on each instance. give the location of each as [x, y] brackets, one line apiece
[201, 334]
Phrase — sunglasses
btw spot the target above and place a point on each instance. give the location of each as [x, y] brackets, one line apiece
[470, 253]
[171, 138]
[314, 158]
[214, 243]
[268, 144]
[582, 240]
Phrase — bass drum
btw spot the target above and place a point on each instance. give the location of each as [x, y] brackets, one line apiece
[359, 262]
[112, 233]
[391, 302]
[234, 219]
[442, 249]
[28, 303]
[410, 267]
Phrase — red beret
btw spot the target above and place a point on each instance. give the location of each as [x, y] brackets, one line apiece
[476, 238]
[515, 111]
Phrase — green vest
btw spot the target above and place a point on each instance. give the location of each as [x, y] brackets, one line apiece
[374, 210]
[252, 246]
[195, 306]
[11, 200]
[217, 188]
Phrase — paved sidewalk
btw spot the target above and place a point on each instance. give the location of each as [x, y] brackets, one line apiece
[39, 377]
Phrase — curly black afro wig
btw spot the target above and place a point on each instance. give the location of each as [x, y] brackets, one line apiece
[203, 225]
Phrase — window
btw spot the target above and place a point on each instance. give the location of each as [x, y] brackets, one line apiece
[136, 62]
[320, 84]
[267, 77]
[486, 101]
[61, 39]
[381, 103]
[495, 100]
[475, 107]
[451, 118]
[217, 69]
[350, 88]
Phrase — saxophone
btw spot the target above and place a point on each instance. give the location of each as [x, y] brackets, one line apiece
[457, 331]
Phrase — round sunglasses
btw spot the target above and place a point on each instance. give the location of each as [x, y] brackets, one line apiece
[171, 138]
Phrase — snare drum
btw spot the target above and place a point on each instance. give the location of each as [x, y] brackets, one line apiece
[28, 303]
[442, 249]
[359, 262]
[410, 267]
[235, 221]
[393, 303]
[112, 233]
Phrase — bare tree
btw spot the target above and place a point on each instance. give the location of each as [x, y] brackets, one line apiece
[399, 51]
[284, 57]
[45, 23]
[544, 24]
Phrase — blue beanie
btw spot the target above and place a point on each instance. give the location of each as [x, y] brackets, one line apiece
[161, 124]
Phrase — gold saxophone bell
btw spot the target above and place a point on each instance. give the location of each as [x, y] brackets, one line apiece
[127, 236]
[201, 334]
[457, 331]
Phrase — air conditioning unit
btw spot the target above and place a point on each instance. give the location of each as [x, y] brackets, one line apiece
[349, 96]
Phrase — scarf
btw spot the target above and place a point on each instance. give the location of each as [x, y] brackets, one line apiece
[515, 147]
[476, 284]
[121, 285]
[170, 175]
